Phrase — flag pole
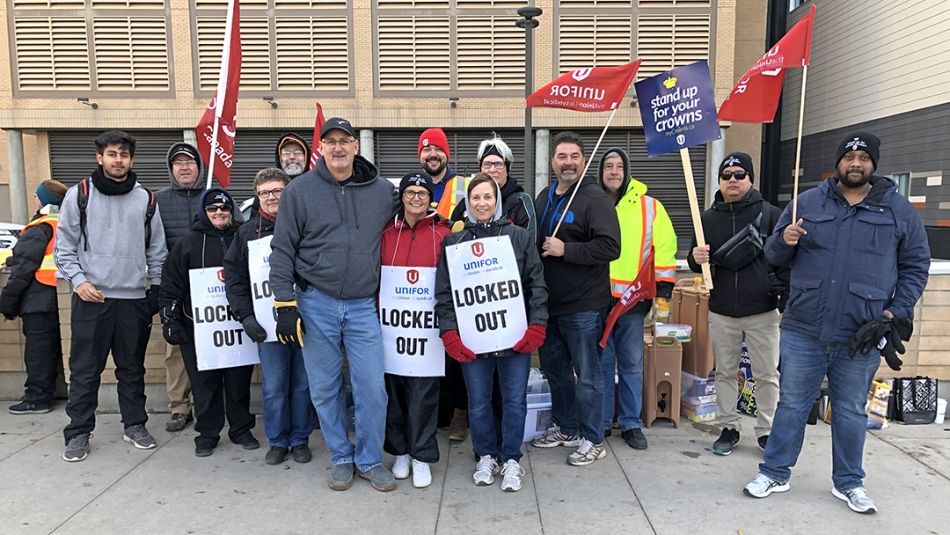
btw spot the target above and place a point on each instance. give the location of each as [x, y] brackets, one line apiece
[589, 161]
[214, 148]
[798, 145]
[694, 212]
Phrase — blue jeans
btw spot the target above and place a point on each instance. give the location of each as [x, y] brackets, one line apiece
[571, 348]
[624, 355]
[805, 362]
[354, 323]
[288, 420]
[513, 385]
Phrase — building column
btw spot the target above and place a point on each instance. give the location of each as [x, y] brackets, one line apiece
[188, 136]
[366, 144]
[18, 204]
[542, 148]
[717, 151]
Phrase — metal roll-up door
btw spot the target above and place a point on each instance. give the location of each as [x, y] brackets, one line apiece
[396, 153]
[254, 150]
[663, 175]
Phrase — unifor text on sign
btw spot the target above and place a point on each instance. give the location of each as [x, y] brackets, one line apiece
[487, 294]
[411, 343]
[220, 341]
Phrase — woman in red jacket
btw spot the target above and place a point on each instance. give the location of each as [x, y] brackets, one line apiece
[415, 360]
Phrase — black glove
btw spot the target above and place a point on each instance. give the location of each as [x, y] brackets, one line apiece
[253, 329]
[175, 333]
[151, 299]
[9, 317]
[290, 329]
[883, 335]
[170, 313]
[891, 348]
[778, 289]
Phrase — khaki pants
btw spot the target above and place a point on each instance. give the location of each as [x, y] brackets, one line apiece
[176, 381]
[761, 337]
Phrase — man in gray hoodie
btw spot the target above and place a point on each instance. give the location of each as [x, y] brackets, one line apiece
[179, 203]
[325, 274]
[109, 252]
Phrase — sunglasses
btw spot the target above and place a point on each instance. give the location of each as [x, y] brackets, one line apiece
[212, 208]
[739, 175]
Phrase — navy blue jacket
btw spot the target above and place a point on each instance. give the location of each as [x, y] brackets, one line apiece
[854, 262]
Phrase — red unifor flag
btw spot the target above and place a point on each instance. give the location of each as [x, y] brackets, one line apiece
[755, 96]
[315, 144]
[588, 89]
[219, 123]
[641, 289]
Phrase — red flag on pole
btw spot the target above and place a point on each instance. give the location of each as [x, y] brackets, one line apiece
[589, 89]
[754, 99]
[315, 144]
[641, 289]
[216, 129]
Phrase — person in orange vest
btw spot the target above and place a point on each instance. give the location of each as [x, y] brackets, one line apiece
[30, 294]
[449, 188]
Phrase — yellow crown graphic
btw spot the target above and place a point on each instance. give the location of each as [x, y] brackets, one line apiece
[670, 82]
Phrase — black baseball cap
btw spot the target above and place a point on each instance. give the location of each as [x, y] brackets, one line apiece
[337, 123]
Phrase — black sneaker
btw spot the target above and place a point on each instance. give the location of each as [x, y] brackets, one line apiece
[77, 449]
[634, 438]
[247, 441]
[726, 442]
[139, 437]
[29, 407]
[762, 441]
[204, 450]
[275, 455]
[301, 454]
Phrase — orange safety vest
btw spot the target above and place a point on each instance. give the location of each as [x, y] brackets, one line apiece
[46, 274]
[453, 194]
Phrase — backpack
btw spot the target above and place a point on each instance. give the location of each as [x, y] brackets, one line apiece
[83, 201]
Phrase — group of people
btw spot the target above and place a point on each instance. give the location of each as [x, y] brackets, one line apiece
[809, 297]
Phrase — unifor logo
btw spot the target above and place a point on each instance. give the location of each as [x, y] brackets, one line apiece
[856, 144]
[425, 142]
[221, 275]
[772, 52]
[478, 249]
[581, 74]
[680, 139]
[412, 276]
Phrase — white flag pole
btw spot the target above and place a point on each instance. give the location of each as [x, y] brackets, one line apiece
[589, 161]
[798, 146]
[694, 212]
[221, 92]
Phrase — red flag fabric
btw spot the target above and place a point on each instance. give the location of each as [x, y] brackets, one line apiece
[754, 99]
[641, 289]
[223, 106]
[315, 144]
[589, 89]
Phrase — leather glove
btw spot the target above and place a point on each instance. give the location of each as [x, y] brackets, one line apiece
[880, 334]
[663, 309]
[290, 329]
[455, 348]
[532, 339]
[151, 299]
[253, 329]
[175, 333]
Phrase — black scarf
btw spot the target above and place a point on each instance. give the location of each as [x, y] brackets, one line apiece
[107, 186]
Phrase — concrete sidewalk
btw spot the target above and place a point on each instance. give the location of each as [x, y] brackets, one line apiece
[676, 486]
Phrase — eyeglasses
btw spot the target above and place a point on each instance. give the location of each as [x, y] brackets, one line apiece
[294, 153]
[739, 175]
[270, 193]
[338, 142]
[183, 163]
[212, 208]
[422, 195]
[493, 165]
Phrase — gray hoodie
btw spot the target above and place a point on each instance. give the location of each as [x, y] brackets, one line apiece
[115, 261]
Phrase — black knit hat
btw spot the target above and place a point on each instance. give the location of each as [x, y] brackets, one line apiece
[869, 143]
[416, 179]
[215, 195]
[741, 159]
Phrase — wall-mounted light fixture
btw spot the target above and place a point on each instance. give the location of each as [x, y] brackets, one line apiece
[85, 101]
[454, 102]
[271, 101]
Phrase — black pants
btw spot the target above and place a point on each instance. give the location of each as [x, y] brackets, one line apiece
[121, 326]
[411, 417]
[453, 394]
[219, 393]
[43, 355]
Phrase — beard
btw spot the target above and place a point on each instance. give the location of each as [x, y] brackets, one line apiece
[439, 166]
[568, 174]
[109, 173]
[853, 183]
[293, 169]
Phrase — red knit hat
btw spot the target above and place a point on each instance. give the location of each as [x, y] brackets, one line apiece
[434, 136]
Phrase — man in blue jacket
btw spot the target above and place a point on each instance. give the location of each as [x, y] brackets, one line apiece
[859, 258]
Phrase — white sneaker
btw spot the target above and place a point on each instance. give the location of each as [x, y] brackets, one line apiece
[485, 471]
[553, 438]
[762, 485]
[857, 498]
[587, 453]
[401, 467]
[513, 473]
[421, 476]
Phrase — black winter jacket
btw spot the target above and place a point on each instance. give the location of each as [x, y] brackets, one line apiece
[529, 265]
[179, 205]
[580, 280]
[23, 294]
[204, 247]
[756, 288]
[237, 279]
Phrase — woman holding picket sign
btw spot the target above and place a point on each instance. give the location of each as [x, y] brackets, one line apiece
[218, 354]
[414, 357]
[288, 416]
[492, 307]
